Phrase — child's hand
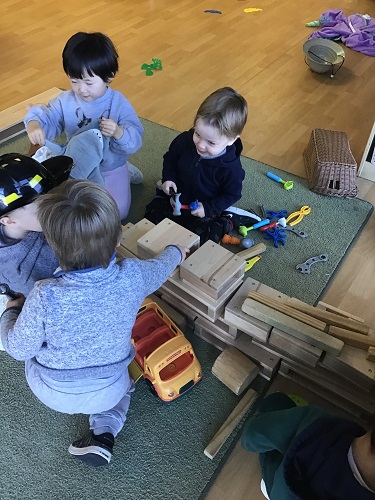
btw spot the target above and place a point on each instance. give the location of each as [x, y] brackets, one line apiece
[19, 302]
[36, 133]
[167, 185]
[109, 128]
[184, 250]
[199, 212]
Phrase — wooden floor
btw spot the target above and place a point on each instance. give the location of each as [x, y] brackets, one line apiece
[259, 54]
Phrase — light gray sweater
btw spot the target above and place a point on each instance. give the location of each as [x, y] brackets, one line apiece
[79, 325]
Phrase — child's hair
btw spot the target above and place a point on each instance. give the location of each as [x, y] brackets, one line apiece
[91, 53]
[81, 222]
[224, 109]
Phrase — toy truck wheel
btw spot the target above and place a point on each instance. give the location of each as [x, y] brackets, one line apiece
[151, 386]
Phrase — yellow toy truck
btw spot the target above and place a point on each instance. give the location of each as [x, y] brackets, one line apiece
[163, 354]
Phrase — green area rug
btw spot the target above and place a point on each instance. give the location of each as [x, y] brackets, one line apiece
[332, 226]
[159, 453]
[157, 456]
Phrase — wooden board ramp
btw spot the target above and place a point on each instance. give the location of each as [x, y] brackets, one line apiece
[230, 424]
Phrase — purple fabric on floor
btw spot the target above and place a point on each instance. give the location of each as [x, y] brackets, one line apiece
[356, 31]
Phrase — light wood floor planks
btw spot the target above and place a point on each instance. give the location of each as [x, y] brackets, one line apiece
[260, 55]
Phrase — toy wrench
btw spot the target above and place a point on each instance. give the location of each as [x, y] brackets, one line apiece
[305, 267]
[301, 234]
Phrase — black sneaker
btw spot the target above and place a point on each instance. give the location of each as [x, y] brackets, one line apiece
[93, 450]
[238, 220]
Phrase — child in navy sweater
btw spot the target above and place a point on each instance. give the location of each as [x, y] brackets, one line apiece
[204, 165]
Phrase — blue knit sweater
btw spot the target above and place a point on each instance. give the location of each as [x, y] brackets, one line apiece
[79, 325]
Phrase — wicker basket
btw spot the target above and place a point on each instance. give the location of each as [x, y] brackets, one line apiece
[330, 166]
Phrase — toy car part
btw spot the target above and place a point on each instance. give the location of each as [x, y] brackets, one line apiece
[305, 267]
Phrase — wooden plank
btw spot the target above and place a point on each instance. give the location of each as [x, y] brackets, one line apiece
[235, 370]
[252, 251]
[235, 317]
[287, 346]
[230, 424]
[336, 310]
[352, 365]
[289, 311]
[370, 356]
[212, 269]
[292, 326]
[329, 317]
[354, 339]
[220, 327]
[333, 383]
[166, 233]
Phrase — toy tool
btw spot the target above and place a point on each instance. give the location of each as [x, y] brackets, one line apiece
[287, 184]
[230, 240]
[305, 266]
[251, 262]
[5, 290]
[296, 217]
[243, 230]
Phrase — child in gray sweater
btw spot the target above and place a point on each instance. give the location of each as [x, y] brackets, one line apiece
[74, 330]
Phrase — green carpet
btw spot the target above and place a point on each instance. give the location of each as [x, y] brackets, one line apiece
[332, 226]
[159, 453]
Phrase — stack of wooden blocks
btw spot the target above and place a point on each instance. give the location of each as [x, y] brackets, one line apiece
[320, 347]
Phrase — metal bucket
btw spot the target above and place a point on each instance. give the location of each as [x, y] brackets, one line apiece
[323, 56]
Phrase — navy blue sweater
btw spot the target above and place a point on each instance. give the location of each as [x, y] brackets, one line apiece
[215, 182]
[316, 465]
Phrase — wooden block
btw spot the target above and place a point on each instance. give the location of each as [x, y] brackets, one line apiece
[329, 317]
[175, 302]
[352, 365]
[212, 269]
[234, 369]
[328, 307]
[287, 347]
[289, 311]
[333, 383]
[219, 327]
[354, 339]
[230, 424]
[292, 326]
[235, 317]
[130, 235]
[11, 119]
[269, 362]
[252, 251]
[166, 233]
[370, 354]
[189, 295]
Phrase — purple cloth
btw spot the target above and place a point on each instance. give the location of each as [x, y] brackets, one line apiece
[356, 31]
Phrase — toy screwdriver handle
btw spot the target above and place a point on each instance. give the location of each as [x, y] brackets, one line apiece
[261, 223]
[274, 177]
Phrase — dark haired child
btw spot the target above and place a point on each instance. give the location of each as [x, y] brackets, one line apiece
[74, 330]
[101, 127]
[204, 164]
[307, 454]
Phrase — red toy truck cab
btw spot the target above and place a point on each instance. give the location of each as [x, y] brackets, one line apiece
[164, 355]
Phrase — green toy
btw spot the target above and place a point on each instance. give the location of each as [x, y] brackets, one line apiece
[156, 65]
